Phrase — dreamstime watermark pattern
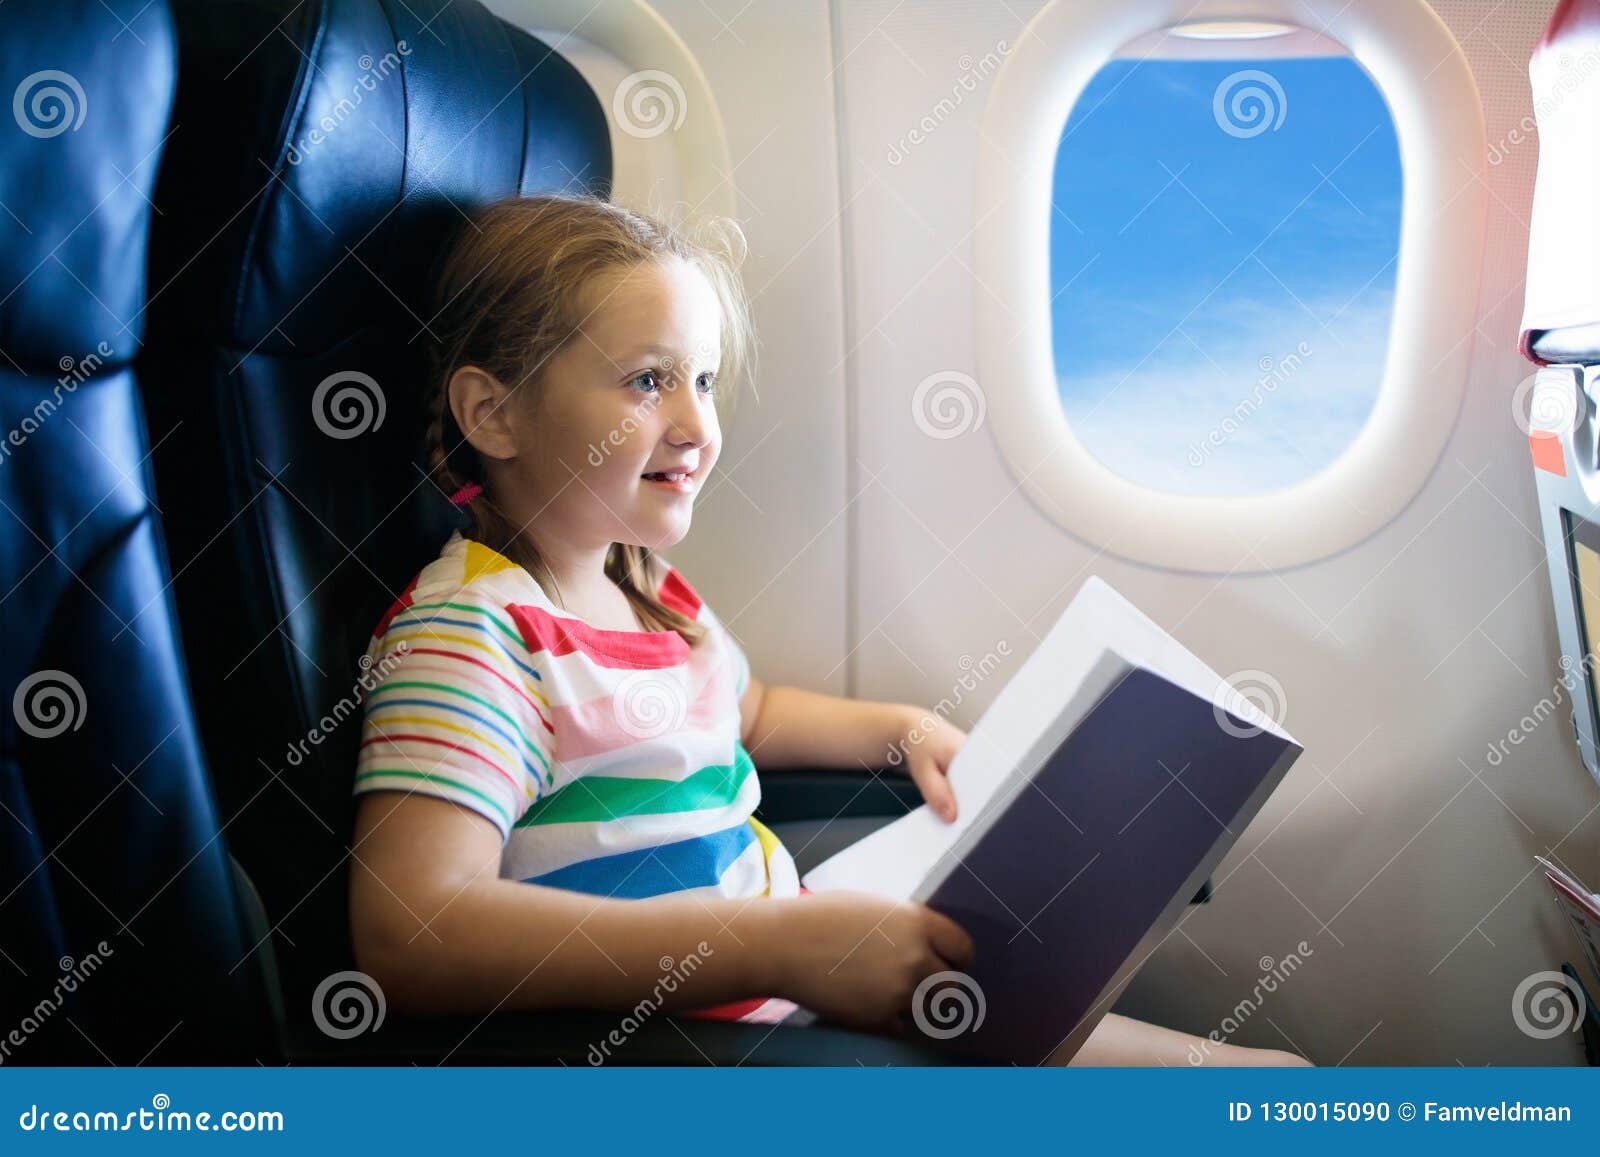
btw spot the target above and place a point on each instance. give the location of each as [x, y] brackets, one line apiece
[648, 703]
[948, 1004]
[347, 706]
[1249, 102]
[74, 372]
[634, 420]
[625, 429]
[1256, 697]
[74, 973]
[49, 703]
[48, 103]
[673, 974]
[160, 1117]
[648, 103]
[371, 75]
[973, 72]
[1546, 404]
[347, 1004]
[974, 672]
[347, 404]
[1273, 973]
[1497, 751]
[948, 404]
[1274, 372]
[1540, 1006]
[1573, 75]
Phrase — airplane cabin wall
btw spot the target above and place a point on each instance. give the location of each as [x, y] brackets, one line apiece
[853, 553]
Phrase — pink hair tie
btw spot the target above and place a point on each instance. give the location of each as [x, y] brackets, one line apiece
[466, 494]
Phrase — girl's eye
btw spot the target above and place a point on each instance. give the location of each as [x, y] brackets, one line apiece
[707, 382]
[648, 376]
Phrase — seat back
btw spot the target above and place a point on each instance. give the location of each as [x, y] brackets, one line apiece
[121, 939]
[328, 151]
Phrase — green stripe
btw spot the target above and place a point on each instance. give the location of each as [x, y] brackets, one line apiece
[396, 684]
[510, 632]
[433, 778]
[598, 798]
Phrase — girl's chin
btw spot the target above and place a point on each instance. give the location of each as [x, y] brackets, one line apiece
[663, 538]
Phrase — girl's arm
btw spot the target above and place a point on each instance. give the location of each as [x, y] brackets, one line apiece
[439, 930]
[791, 727]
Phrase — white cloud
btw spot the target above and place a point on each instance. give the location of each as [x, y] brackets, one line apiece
[1240, 414]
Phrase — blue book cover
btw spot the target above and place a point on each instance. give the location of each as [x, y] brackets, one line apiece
[1095, 794]
[1087, 867]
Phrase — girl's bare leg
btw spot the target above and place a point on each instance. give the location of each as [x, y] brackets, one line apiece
[1121, 1040]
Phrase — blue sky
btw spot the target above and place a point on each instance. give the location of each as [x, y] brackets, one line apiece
[1163, 337]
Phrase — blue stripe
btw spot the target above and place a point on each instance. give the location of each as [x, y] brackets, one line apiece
[693, 863]
[400, 621]
[493, 725]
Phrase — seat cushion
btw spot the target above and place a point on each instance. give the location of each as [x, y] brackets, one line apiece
[812, 841]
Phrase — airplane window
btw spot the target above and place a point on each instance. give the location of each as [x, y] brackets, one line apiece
[1223, 247]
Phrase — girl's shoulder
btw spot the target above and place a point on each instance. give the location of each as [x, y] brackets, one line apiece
[466, 573]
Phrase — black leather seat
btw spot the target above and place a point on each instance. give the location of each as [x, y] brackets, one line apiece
[119, 936]
[325, 152]
[321, 155]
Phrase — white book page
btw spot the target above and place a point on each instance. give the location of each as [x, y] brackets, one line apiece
[1096, 640]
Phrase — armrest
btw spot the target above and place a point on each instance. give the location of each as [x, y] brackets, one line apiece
[824, 793]
[584, 1038]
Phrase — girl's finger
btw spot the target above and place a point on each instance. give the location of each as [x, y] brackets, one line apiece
[935, 788]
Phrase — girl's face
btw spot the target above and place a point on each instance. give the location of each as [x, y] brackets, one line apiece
[623, 431]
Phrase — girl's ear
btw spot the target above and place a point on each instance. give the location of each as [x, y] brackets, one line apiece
[481, 406]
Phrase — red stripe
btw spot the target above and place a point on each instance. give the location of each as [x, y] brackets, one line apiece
[734, 1009]
[407, 597]
[492, 671]
[542, 631]
[676, 593]
[442, 743]
[731, 1011]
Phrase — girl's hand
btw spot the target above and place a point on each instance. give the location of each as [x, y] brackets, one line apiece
[857, 959]
[927, 743]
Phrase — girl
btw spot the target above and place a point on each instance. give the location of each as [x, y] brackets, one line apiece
[556, 779]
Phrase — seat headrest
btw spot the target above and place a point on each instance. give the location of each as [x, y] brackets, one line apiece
[1561, 306]
[378, 127]
[80, 146]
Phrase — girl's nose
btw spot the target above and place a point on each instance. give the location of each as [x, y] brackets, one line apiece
[686, 411]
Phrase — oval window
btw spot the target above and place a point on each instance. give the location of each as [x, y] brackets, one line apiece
[1222, 265]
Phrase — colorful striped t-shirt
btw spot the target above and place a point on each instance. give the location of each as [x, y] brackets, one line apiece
[609, 760]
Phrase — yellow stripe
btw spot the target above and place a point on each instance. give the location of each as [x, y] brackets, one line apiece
[482, 560]
[768, 841]
[468, 641]
[381, 725]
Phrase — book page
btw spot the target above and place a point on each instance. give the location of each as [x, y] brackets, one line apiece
[1002, 750]
[1096, 639]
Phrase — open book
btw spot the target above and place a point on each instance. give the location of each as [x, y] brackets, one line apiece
[1101, 787]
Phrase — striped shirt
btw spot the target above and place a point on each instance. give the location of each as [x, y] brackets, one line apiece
[610, 761]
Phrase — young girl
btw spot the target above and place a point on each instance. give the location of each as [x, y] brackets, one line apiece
[556, 773]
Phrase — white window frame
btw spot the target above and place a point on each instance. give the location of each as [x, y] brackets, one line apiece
[1420, 71]
[626, 48]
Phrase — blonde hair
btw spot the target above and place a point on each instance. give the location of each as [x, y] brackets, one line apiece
[508, 299]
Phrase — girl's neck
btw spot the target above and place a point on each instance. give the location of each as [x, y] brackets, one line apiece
[579, 571]
[581, 585]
